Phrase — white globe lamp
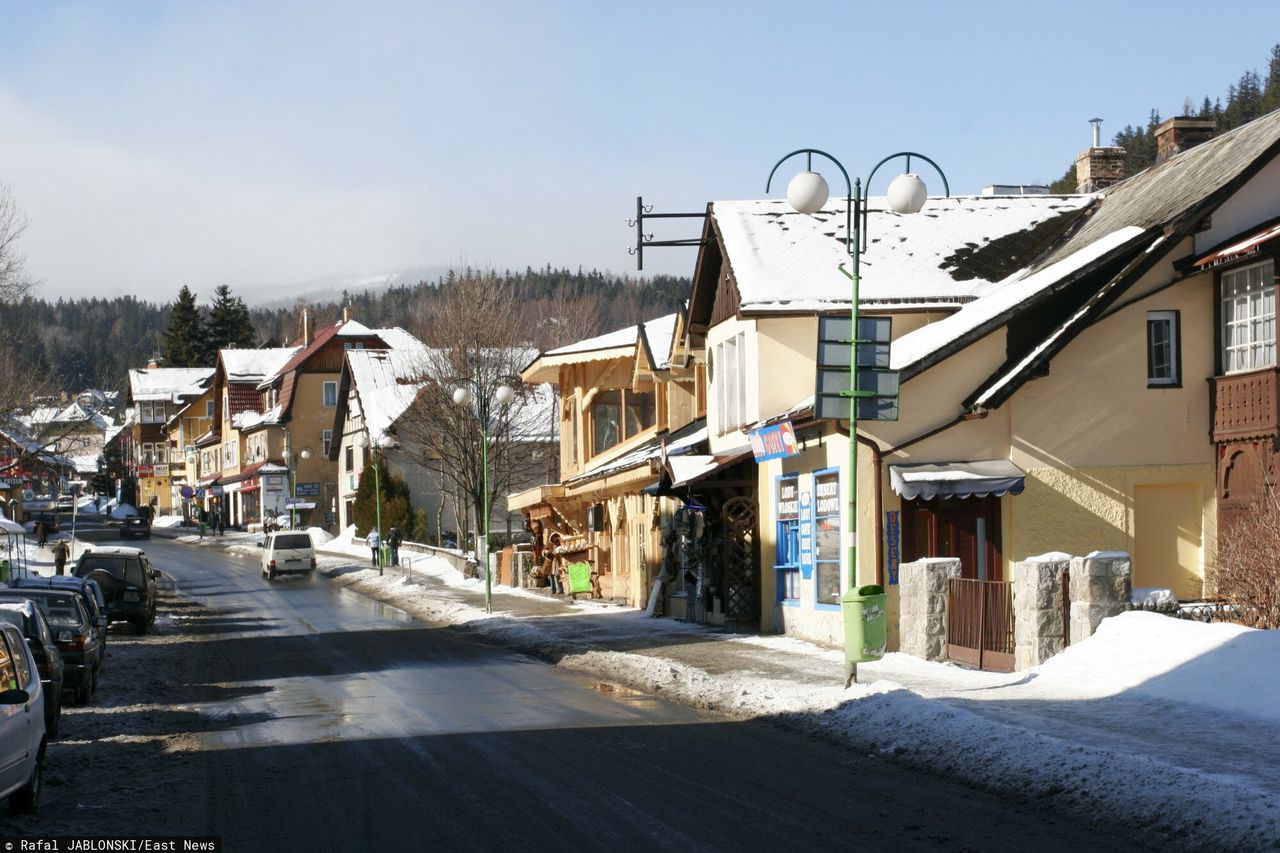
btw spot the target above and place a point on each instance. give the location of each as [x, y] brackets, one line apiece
[808, 192]
[907, 193]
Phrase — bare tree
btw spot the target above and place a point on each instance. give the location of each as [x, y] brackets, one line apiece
[19, 382]
[477, 336]
[1247, 567]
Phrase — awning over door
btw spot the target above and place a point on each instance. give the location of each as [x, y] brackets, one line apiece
[991, 477]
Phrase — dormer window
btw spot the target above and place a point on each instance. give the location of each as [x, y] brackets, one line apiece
[617, 416]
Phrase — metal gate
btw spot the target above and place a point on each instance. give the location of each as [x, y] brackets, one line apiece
[980, 623]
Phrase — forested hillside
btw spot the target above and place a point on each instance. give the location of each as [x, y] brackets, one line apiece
[1251, 96]
[93, 342]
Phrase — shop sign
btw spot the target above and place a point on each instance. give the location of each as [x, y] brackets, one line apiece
[774, 442]
[788, 499]
[273, 483]
[892, 531]
[806, 535]
[309, 490]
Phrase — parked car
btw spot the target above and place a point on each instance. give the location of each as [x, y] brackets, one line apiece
[22, 732]
[66, 502]
[74, 633]
[135, 527]
[285, 553]
[128, 583]
[29, 619]
[87, 589]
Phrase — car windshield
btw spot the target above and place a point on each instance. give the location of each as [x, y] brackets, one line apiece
[292, 540]
[126, 568]
[60, 610]
[13, 617]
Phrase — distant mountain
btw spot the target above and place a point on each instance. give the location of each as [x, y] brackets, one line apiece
[329, 288]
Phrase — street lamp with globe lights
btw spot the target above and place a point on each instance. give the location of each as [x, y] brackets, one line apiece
[468, 393]
[384, 442]
[807, 192]
[292, 459]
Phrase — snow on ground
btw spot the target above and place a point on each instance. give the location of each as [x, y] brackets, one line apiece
[1092, 731]
[1168, 726]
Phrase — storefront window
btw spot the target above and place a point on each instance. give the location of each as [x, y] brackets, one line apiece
[787, 556]
[826, 486]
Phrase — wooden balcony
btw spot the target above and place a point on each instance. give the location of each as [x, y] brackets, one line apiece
[1244, 405]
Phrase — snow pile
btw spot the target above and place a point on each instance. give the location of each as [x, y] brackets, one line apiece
[1152, 596]
[1219, 666]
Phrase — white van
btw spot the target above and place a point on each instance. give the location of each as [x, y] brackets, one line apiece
[287, 552]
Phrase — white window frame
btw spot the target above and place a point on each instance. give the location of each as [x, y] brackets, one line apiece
[729, 376]
[326, 442]
[329, 395]
[1168, 373]
[1247, 303]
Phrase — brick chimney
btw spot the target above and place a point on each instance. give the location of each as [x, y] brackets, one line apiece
[1098, 167]
[1175, 135]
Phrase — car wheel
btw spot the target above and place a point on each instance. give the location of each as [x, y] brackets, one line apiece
[27, 798]
[140, 626]
[51, 724]
[271, 574]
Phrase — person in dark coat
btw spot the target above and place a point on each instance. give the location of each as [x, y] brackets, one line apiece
[60, 554]
[42, 535]
[393, 542]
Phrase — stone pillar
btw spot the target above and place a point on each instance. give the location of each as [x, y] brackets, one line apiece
[922, 612]
[1038, 618]
[1101, 584]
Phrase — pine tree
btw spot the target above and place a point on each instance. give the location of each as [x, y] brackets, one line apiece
[229, 323]
[183, 340]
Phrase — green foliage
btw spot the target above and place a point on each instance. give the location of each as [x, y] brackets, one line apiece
[184, 337]
[229, 325]
[94, 342]
[396, 511]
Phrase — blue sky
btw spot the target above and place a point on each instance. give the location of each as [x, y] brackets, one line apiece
[260, 144]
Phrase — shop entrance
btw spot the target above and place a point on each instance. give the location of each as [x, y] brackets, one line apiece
[965, 528]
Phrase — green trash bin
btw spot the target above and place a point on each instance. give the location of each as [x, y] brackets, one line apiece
[866, 624]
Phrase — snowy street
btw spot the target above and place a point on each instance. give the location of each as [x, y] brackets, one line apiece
[250, 698]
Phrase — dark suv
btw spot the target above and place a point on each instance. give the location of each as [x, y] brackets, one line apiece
[128, 583]
[135, 527]
[88, 591]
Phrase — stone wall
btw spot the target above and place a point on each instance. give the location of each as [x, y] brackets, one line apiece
[1038, 613]
[922, 615]
[1101, 584]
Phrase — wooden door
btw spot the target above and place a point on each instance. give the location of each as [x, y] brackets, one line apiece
[968, 529]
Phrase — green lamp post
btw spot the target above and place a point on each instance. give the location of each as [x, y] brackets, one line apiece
[468, 393]
[807, 193]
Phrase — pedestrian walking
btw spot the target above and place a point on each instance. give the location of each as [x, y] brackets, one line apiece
[375, 543]
[393, 541]
[221, 522]
[60, 554]
[42, 535]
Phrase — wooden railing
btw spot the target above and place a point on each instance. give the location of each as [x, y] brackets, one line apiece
[1244, 405]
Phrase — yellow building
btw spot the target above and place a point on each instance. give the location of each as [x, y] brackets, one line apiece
[1078, 373]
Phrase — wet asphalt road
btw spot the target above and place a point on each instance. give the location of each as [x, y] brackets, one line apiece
[324, 721]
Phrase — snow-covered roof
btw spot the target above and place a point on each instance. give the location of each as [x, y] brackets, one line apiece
[379, 378]
[996, 300]
[353, 329]
[784, 261]
[658, 334]
[620, 343]
[254, 365]
[168, 383]
[250, 420]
